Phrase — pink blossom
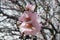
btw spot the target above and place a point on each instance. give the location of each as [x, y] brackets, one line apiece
[30, 26]
[30, 22]
[30, 7]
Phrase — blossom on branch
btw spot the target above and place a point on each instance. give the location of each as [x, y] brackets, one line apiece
[30, 22]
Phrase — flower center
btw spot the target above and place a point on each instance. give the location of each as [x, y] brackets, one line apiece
[29, 26]
[27, 9]
[27, 19]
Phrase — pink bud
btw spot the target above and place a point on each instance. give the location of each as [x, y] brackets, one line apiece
[30, 7]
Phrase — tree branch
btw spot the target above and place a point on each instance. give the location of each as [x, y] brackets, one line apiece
[20, 6]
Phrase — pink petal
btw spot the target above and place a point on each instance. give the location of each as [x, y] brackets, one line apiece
[22, 17]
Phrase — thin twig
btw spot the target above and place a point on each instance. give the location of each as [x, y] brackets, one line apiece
[20, 6]
[8, 16]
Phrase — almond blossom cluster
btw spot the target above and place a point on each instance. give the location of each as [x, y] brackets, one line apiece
[30, 21]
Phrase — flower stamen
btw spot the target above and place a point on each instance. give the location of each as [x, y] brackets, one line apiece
[29, 26]
[27, 19]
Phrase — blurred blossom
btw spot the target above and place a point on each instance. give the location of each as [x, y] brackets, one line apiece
[30, 7]
[30, 22]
